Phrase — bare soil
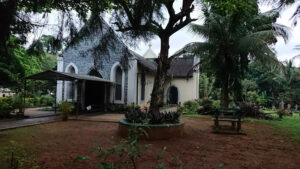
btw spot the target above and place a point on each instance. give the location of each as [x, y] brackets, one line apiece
[57, 144]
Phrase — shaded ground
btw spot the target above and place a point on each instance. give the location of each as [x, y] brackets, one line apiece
[57, 144]
[35, 116]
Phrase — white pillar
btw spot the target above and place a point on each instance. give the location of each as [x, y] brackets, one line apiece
[132, 82]
[59, 87]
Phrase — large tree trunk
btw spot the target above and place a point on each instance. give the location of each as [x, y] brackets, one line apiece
[224, 92]
[160, 77]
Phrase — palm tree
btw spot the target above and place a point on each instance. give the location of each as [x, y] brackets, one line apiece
[232, 40]
[281, 4]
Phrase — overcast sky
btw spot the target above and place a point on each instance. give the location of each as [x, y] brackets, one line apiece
[284, 51]
[184, 36]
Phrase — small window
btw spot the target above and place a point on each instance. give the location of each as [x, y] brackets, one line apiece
[118, 89]
[143, 83]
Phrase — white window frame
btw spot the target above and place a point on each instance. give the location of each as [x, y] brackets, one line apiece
[67, 83]
[113, 79]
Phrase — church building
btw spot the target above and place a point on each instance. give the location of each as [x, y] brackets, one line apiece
[112, 73]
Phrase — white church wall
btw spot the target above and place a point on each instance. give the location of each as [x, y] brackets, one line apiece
[188, 88]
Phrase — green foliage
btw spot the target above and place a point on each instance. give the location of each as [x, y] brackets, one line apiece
[190, 107]
[46, 100]
[134, 114]
[235, 33]
[120, 108]
[18, 102]
[16, 156]
[288, 126]
[206, 85]
[65, 107]
[128, 151]
[165, 118]
[207, 104]
[251, 110]
[259, 99]
[6, 107]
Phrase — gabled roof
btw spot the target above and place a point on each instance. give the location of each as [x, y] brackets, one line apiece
[181, 67]
[144, 62]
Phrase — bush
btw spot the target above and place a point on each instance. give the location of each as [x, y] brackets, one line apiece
[6, 107]
[16, 156]
[190, 107]
[283, 112]
[66, 107]
[136, 115]
[207, 105]
[18, 102]
[47, 100]
[165, 118]
[251, 110]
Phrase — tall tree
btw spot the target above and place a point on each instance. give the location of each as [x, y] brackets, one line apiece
[236, 33]
[16, 21]
[139, 19]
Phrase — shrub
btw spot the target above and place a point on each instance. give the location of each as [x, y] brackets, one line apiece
[16, 157]
[165, 118]
[18, 102]
[207, 105]
[66, 107]
[251, 110]
[190, 107]
[128, 152]
[47, 100]
[216, 103]
[283, 112]
[136, 115]
[6, 107]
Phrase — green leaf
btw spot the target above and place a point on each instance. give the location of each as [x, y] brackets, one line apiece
[80, 158]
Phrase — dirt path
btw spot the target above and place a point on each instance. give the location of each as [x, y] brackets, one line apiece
[57, 144]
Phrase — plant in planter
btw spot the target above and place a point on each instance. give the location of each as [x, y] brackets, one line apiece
[66, 108]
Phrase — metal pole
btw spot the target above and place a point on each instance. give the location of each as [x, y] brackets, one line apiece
[55, 104]
[24, 97]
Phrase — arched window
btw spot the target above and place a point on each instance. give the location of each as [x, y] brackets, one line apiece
[118, 80]
[173, 95]
[71, 85]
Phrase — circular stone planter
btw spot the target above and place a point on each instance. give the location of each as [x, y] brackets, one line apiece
[155, 131]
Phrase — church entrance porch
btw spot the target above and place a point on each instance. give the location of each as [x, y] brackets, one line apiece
[96, 95]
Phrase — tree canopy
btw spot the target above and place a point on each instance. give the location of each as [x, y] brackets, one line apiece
[235, 34]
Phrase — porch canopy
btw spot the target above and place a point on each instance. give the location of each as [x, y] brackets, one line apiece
[81, 79]
[55, 75]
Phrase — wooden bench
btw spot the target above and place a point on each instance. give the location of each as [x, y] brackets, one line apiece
[227, 114]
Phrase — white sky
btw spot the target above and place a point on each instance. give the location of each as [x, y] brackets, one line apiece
[184, 36]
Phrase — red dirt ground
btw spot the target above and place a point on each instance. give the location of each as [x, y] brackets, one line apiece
[57, 144]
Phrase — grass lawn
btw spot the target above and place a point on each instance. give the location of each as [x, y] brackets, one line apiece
[289, 126]
[195, 115]
[55, 145]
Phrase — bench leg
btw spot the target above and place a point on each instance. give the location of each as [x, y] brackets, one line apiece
[239, 126]
[216, 125]
[233, 124]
